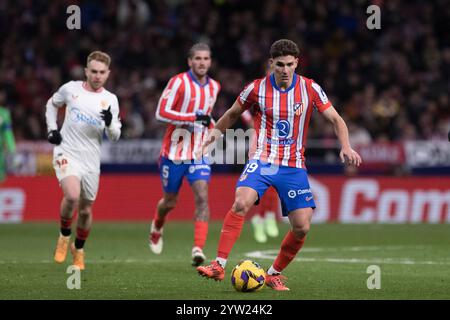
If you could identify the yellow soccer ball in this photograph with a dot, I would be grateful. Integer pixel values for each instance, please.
(248, 276)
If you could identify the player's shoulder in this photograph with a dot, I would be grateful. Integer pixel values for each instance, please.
(177, 80)
(255, 83)
(110, 95)
(310, 82)
(214, 82)
(72, 85)
(179, 76)
(307, 80)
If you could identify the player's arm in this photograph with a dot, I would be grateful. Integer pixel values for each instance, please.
(247, 118)
(112, 122)
(51, 114)
(324, 106)
(169, 98)
(347, 154)
(225, 122)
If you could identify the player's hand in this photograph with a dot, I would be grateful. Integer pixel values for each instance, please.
(204, 119)
(106, 116)
(54, 137)
(350, 157)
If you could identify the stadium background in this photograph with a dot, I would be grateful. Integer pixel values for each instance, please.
(390, 85)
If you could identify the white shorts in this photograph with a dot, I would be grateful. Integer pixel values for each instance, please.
(65, 166)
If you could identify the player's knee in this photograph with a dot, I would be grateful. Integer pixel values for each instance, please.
(84, 213)
(170, 203)
(300, 230)
(72, 199)
(241, 206)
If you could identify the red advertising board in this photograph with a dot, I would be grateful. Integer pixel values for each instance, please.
(338, 199)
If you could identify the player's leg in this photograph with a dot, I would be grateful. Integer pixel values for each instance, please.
(164, 206)
(257, 222)
(300, 221)
(297, 203)
(264, 221)
(231, 229)
(199, 175)
(88, 193)
(70, 186)
(269, 204)
(171, 175)
(200, 189)
(84, 225)
(251, 186)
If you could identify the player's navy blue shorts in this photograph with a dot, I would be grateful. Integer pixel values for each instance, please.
(172, 174)
(291, 183)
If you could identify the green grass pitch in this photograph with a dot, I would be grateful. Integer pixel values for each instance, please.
(414, 261)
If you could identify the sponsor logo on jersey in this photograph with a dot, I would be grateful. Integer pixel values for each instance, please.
(77, 116)
(282, 128)
(283, 142)
(293, 193)
(104, 104)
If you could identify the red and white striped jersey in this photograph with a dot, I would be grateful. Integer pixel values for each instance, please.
(281, 117)
(182, 98)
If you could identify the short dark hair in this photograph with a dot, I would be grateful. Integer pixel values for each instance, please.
(200, 46)
(284, 47)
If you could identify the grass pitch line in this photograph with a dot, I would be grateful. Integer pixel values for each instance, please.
(271, 255)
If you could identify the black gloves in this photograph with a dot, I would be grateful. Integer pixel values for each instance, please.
(107, 116)
(204, 119)
(54, 137)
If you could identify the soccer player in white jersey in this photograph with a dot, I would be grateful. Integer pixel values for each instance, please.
(90, 111)
(284, 102)
(185, 105)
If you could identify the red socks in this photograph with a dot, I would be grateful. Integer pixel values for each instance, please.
(289, 248)
(82, 234)
(65, 223)
(231, 230)
(200, 233)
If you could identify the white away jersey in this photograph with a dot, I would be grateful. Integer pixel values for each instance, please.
(83, 126)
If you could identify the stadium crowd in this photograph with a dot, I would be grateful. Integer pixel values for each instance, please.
(390, 84)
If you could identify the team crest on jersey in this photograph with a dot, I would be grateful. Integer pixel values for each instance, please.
(104, 104)
(298, 108)
(74, 97)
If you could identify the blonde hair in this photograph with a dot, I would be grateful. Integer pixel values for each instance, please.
(99, 56)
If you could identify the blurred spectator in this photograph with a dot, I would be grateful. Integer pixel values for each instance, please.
(391, 83)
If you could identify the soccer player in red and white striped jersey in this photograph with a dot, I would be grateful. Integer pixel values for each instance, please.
(284, 102)
(186, 105)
